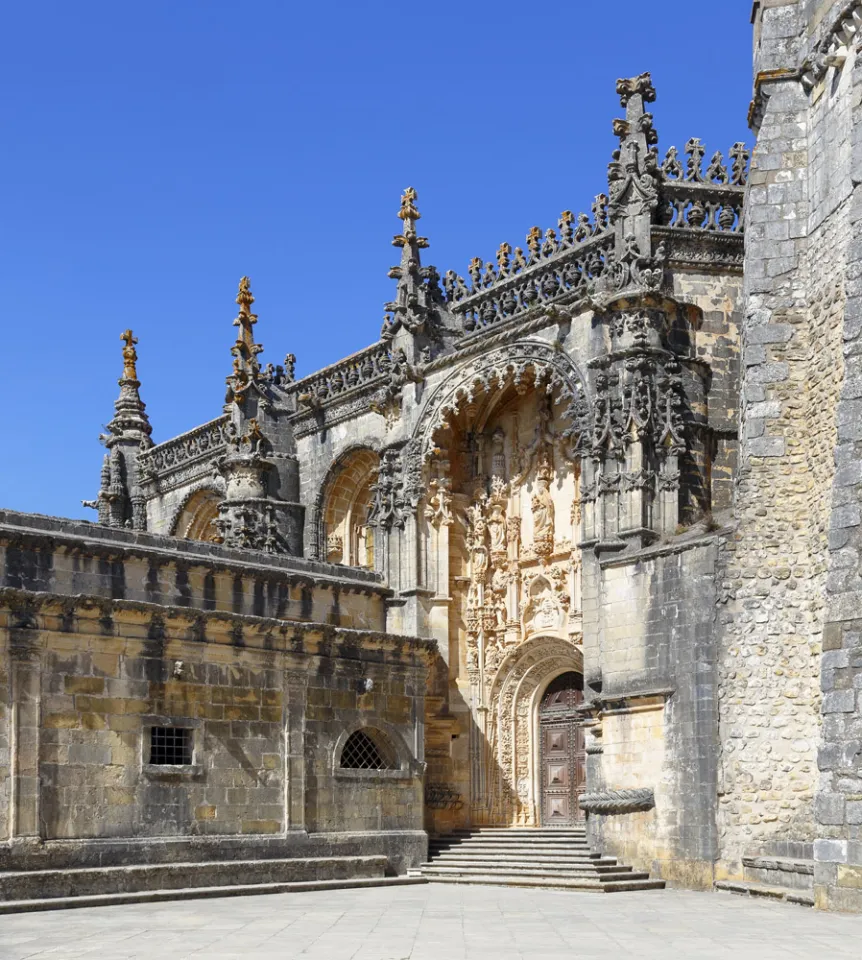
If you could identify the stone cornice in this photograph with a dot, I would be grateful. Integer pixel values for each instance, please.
(44, 532)
(281, 636)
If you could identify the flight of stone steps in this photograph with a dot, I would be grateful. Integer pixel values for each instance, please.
(528, 857)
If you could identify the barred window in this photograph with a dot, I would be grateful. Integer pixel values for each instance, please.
(171, 746)
(367, 751)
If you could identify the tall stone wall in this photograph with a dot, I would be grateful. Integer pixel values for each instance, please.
(838, 850)
(788, 570)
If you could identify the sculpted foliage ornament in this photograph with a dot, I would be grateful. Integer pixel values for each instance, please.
(438, 504)
(387, 401)
(397, 489)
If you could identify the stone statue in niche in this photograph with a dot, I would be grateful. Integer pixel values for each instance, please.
(543, 610)
(497, 527)
(498, 452)
(543, 510)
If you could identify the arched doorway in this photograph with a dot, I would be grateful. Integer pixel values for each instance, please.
(563, 758)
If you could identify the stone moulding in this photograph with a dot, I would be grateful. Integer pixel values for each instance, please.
(38, 532)
(493, 370)
(277, 636)
(612, 802)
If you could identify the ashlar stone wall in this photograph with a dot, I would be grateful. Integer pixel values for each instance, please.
(268, 702)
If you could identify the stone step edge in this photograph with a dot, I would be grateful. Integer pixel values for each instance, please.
(502, 838)
(595, 886)
(574, 870)
(499, 845)
(783, 864)
(513, 832)
(525, 841)
(195, 865)
(537, 864)
(437, 871)
(200, 893)
(752, 889)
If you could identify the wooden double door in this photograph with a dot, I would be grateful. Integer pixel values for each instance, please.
(563, 759)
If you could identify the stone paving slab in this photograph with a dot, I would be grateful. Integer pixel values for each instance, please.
(438, 922)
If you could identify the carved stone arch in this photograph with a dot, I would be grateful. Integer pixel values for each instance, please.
(195, 518)
(528, 360)
(338, 500)
(521, 678)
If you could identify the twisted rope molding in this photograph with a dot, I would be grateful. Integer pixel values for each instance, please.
(618, 801)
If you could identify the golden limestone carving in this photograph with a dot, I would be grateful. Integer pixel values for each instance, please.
(438, 506)
(543, 511)
(497, 503)
(130, 355)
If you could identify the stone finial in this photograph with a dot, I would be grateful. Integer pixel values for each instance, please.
(411, 307)
(408, 209)
(409, 214)
(633, 174)
(246, 369)
(130, 355)
(636, 86)
(120, 502)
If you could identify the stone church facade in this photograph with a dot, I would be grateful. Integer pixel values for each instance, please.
(614, 469)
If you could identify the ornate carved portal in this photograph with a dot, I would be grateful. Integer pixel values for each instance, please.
(502, 512)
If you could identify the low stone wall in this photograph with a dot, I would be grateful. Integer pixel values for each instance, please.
(265, 704)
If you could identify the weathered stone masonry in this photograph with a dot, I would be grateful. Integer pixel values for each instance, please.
(93, 656)
(621, 461)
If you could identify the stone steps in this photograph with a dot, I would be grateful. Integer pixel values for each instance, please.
(573, 845)
(556, 883)
(774, 878)
(500, 850)
(532, 832)
(752, 889)
(18, 886)
(199, 893)
(528, 858)
(518, 860)
(530, 870)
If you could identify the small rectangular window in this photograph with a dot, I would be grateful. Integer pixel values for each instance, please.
(171, 746)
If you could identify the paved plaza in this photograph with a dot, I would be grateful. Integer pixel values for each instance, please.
(438, 922)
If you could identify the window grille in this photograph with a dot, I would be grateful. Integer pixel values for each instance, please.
(171, 746)
(361, 752)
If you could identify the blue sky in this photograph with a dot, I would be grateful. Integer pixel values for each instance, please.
(156, 152)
